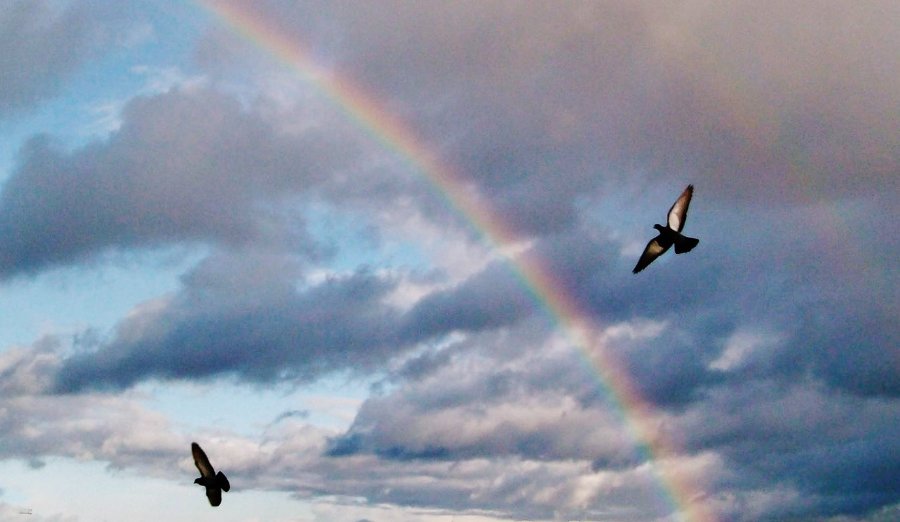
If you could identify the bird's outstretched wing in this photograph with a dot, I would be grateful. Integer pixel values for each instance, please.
(678, 212)
(214, 494)
(653, 250)
(202, 463)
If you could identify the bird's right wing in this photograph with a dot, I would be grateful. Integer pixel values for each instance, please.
(653, 250)
(202, 462)
(678, 212)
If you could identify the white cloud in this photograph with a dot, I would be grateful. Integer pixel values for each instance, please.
(742, 346)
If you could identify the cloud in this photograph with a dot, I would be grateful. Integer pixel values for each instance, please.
(789, 104)
(241, 313)
(208, 331)
(185, 167)
(503, 389)
(88, 427)
(489, 299)
(767, 354)
(44, 44)
(196, 166)
(817, 442)
(771, 449)
(502, 426)
(29, 370)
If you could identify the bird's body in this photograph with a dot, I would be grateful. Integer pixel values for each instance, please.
(215, 483)
(670, 233)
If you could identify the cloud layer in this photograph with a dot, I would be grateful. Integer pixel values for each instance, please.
(768, 355)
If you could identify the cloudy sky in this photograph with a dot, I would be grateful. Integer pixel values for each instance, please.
(376, 259)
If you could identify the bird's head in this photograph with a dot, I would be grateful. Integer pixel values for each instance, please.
(659, 227)
(198, 481)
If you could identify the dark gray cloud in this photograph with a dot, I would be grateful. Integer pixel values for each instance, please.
(803, 277)
(241, 313)
(833, 448)
(491, 298)
(555, 100)
(184, 167)
(277, 334)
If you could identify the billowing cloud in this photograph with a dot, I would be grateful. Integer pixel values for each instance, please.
(760, 103)
(184, 167)
(35, 426)
(834, 449)
(209, 331)
(766, 444)
(242, 313)
(767, 356)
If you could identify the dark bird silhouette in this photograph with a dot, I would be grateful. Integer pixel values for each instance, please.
(671, 233)
(215, 483)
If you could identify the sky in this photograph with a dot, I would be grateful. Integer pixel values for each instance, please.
(375, 258)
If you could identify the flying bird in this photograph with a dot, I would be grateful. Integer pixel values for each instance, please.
(215, 483)
(671, 233)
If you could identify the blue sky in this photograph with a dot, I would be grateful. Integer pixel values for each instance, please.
(198, 245)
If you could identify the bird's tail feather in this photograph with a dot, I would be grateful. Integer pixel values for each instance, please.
(223, 481)
(685, 244)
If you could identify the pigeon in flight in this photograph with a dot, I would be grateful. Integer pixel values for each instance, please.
(671, 233)
(215, 483)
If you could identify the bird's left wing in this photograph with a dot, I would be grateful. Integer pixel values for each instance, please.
(678, 212)
(653, 250)
(201, 461)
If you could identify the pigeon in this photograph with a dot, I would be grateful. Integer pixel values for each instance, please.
(671, 233)
(215, 483)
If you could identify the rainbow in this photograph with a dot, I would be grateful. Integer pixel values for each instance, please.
(366, 111)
